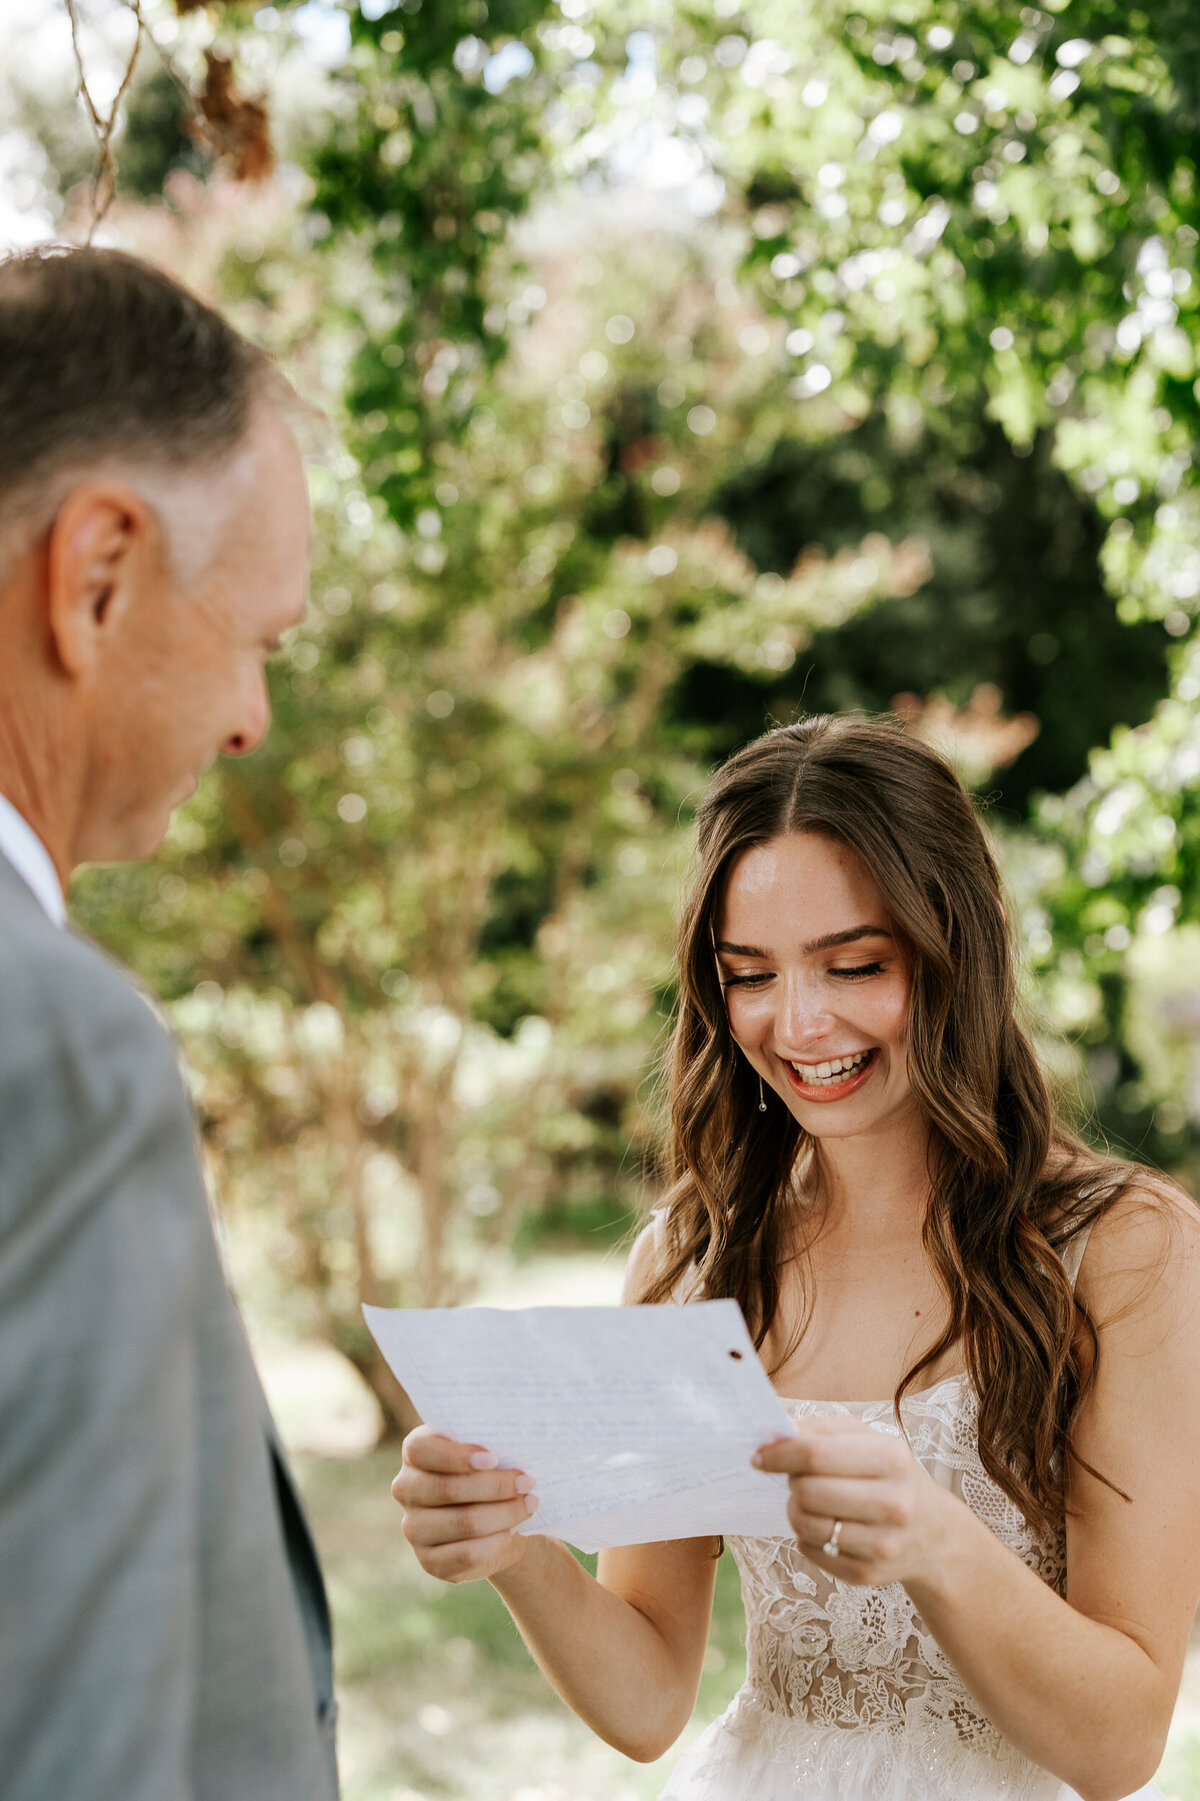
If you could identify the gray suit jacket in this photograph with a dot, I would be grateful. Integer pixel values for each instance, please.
(164, 1634)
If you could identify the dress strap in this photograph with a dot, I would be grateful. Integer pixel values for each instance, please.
(685, 1289)
(1072, 1252)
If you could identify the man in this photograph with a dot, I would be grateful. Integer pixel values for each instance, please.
(163, 1627)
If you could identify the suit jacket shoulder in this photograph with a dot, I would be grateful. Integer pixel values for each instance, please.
(157, 1639)
(82, 1057)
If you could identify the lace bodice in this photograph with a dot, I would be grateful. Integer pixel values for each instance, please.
(841, 1655)
(847, 1696)
(835, 1655)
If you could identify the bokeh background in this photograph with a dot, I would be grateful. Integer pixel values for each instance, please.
(683, 366)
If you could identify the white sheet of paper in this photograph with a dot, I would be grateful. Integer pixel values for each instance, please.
(637, 1423)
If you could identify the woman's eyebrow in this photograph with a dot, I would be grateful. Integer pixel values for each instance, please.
(851, 936)
(830, 942)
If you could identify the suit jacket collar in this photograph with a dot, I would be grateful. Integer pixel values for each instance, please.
(15, 891)
(23, 852)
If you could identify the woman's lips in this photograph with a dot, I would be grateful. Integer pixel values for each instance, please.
(829, 1091)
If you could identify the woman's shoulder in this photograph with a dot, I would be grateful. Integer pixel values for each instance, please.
(650, 1260)
(1141, 1258)
(645, 1257)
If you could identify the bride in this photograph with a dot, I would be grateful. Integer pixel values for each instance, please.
(996, 1555)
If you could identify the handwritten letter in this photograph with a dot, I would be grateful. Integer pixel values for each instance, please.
(637, 1423)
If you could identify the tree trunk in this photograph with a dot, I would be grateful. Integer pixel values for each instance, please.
(399, 1414)
(432, 1278)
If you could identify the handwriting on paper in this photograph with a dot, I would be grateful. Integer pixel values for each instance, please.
(637, 1423)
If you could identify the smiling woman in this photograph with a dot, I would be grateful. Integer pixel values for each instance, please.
(996, 1527)
(911, 1212)
(817, 844)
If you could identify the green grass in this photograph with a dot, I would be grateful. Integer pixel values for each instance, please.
(439, 1697)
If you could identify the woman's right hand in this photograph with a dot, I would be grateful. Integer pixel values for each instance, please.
(460, 1511)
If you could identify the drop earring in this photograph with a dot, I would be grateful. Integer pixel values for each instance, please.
(762, 1099)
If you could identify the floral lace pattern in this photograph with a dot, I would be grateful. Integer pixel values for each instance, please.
(847, 1695)
(841, 1655)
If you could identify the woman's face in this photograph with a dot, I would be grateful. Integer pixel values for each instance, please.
(816, 985)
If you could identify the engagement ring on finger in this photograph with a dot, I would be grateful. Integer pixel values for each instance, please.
(830, 1547)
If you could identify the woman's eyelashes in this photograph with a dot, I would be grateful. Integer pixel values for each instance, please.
(858, 973)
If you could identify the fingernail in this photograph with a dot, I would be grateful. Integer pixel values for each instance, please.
(531, 1503)
(483, 1460)
(526, 1485)
(757, 1460)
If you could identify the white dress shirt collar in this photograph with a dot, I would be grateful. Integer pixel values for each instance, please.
(31, 860)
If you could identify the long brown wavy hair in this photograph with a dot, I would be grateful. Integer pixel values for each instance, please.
(1010, 1186)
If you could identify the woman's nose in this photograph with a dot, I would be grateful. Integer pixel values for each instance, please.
(804, 1016)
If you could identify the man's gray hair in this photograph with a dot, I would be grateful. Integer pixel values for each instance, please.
(105, 360)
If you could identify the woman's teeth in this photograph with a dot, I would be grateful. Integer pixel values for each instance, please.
(839, 1069)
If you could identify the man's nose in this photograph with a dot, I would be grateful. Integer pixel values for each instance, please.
(255, 720)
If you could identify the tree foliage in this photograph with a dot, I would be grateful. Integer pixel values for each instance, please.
(691, 364)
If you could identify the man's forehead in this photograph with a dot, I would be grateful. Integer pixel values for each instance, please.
(265, 494)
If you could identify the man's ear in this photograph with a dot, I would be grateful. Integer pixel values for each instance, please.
(100, 544)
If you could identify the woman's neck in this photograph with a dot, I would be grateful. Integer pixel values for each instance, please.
(876, 1185)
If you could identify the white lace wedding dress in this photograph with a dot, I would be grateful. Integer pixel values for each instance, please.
(847, 1696)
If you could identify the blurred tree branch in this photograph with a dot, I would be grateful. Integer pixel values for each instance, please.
(104, 179)
(622, 484)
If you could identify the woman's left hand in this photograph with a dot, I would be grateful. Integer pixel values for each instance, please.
(893, 1515)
